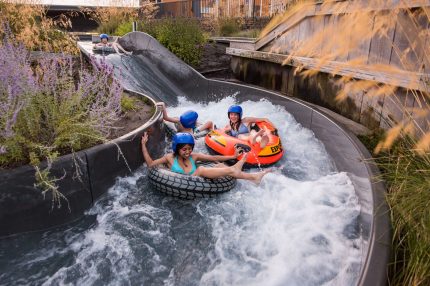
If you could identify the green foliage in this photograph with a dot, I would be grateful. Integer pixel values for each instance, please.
(109, 27)
(46, 182)
(229, 26)
(111, 18)
(149, 27)
(124, 28)
(407, 175)
(47, 124)
(253, 33)
(371, 140)
(181, 36)
(128, 103)
(49, 108)
(117, 20)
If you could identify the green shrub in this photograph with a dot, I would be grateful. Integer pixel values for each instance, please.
(181, 36)
(124, 28)
(229, 26)
(253, 33)
(47, 109)
(109, 27)
(149, 27)
(128, 103)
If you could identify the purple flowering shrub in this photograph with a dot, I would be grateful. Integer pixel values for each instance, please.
(49, 108)
(16, 80)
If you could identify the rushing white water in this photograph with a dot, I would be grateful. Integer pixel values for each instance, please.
(299, 227)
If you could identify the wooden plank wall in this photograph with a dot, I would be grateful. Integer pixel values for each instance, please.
(403, 44)
(389, 48)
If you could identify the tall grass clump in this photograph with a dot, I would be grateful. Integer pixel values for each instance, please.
(30, 25)
(118, 20)
(48, 109)
(110, 18)
(183, 37)
(407, 175)
(229, 26)
(123, 29)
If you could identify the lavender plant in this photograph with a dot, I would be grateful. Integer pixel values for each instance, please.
(49, 109)
(16, 81)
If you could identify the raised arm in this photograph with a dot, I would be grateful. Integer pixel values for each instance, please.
(165, 115)
(147, 157)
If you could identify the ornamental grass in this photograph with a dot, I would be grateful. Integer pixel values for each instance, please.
(27, 20)
(407, 176)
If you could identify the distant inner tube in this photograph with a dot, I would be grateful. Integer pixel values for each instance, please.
(103, 49)
(172, 129)
(187, 186)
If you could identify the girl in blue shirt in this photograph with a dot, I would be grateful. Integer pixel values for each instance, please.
(183, 161)
(239, 127)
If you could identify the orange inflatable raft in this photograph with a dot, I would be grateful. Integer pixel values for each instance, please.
(222, 143)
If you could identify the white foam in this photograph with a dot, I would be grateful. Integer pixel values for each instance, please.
(285, 232)
(291, 229)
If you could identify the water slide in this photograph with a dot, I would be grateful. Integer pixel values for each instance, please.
(320, 220)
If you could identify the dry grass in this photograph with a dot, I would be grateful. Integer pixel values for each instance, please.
(110, 18)
(30, 26)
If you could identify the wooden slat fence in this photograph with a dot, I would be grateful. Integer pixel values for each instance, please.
(222, 8)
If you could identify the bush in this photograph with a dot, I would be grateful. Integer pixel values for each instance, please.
(229, 26)
(128, 103)
(110, 18)
(118, 20)
(181, 36)
(52, 109)
(124, 28)
(253, 33)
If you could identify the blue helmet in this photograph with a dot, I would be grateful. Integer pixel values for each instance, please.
(182, 138)
(189, 119)
(235, 109)
(104, 36)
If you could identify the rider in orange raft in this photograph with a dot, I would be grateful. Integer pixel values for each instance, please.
(255, 135)
(240, 127)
